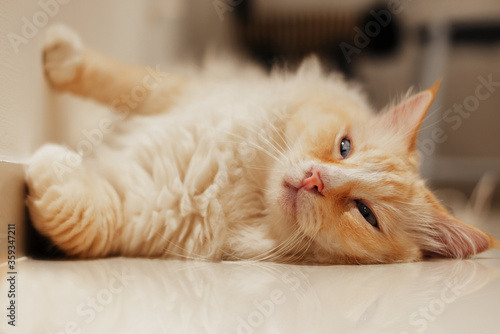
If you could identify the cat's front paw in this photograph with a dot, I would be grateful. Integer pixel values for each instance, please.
(63, 54)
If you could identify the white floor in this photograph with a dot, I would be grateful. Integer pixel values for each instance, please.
(165, 296)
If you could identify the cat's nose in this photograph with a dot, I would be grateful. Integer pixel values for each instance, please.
(313, 182)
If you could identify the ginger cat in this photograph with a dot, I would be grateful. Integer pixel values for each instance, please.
(286, 167)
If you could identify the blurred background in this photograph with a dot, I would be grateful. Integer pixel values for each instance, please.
(386, 46)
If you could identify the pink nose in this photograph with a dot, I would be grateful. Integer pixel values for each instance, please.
(313, 182)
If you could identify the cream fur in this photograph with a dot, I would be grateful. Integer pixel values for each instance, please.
(206, 179)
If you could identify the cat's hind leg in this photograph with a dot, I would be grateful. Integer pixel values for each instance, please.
(78, 210)
(72, 67)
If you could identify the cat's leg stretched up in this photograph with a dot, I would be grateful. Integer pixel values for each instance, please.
(70, 201)
(72, 67)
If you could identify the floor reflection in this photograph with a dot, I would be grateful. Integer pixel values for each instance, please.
(164, 296)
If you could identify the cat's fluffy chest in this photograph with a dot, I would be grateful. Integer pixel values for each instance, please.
(196, 185)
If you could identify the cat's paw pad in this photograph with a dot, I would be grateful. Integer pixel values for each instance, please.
(63, 54)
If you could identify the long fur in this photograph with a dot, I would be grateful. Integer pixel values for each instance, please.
(211, 166)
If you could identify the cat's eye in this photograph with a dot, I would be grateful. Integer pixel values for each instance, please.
(367, 213)
(345, 147)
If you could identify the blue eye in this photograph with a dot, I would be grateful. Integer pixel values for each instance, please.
(345, 147)
(367, 213)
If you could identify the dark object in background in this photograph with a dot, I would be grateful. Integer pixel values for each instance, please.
(389, 38)
(289, 37)
(468, 33)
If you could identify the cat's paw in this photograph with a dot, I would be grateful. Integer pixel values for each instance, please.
(50, 165)
(72, 207)
(63, 54)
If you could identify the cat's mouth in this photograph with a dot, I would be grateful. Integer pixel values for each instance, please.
(295, 189)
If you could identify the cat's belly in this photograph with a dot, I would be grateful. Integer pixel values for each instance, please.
(174, 182)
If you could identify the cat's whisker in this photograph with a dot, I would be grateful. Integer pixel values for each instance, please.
(261, 168)
(263, 189)
(302, 248)
(245, 139)
(234, 257)
(271, 253)
(195, 257)
(273, 146)
(284, 248)
(267, 138)
(306, 242)
(169, 251)
(311, 241)
(174, 255)
(278, 132)
(194, 264)
(255, 145)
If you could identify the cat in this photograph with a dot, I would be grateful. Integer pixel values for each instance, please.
(232, 163)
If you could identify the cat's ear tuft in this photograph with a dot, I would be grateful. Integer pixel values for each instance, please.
(448, 237)
(405, 118)
(310, 66)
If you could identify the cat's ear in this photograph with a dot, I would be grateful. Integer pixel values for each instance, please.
(405, 118)
(446, 236)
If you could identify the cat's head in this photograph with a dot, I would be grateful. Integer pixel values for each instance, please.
(349, 189)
